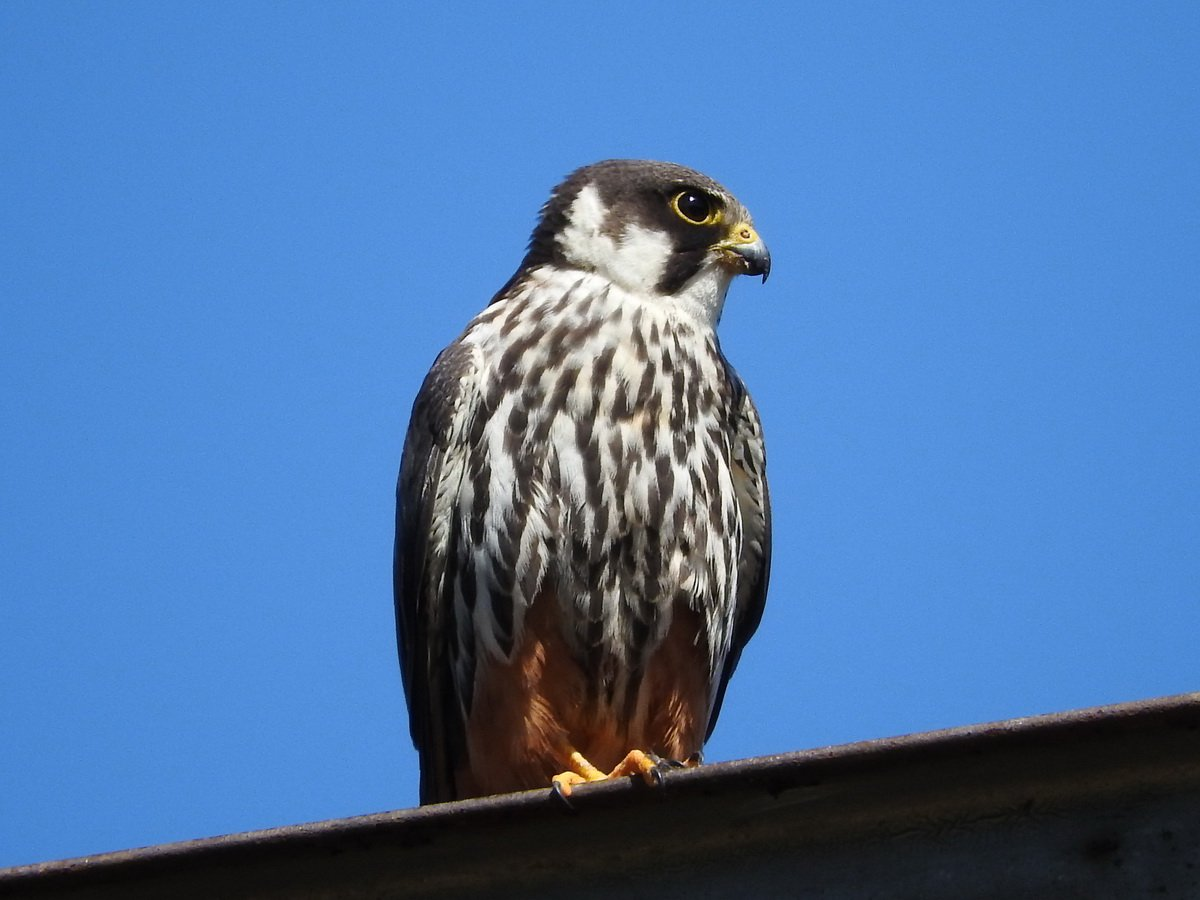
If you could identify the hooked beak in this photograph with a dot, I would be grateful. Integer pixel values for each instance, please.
(744, 252)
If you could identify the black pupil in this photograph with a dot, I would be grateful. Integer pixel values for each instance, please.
(694, 206)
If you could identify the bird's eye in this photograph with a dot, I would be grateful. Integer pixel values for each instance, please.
(696, 207)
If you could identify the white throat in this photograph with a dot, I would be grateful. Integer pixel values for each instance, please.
(636, 259)
(703, 297)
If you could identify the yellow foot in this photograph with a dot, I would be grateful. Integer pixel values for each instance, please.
(636, 762)
(581, 772)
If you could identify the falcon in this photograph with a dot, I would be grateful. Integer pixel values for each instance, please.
(582, 521)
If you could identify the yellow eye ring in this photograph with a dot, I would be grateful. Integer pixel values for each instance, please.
(696, 207)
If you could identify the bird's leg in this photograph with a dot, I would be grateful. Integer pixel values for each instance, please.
(580, 771)
(650, 766)
(654, 768)
(639, 762)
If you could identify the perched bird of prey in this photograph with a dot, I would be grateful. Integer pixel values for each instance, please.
(582, 526)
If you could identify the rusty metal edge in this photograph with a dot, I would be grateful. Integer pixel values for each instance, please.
(414, 825)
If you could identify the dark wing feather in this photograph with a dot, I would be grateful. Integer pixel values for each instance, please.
(749, 464)
(426, 538)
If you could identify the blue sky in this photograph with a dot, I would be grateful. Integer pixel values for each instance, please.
(235, 237)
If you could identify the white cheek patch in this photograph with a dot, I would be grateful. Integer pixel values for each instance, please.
(583, 241)
(641, 259)
(636, 261)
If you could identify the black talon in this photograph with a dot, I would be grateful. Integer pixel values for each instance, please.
(662, 766)
(557, 791)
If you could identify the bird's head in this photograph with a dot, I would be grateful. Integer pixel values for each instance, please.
(655, 229)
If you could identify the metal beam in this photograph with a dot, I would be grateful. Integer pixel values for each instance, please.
(1101, 802)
